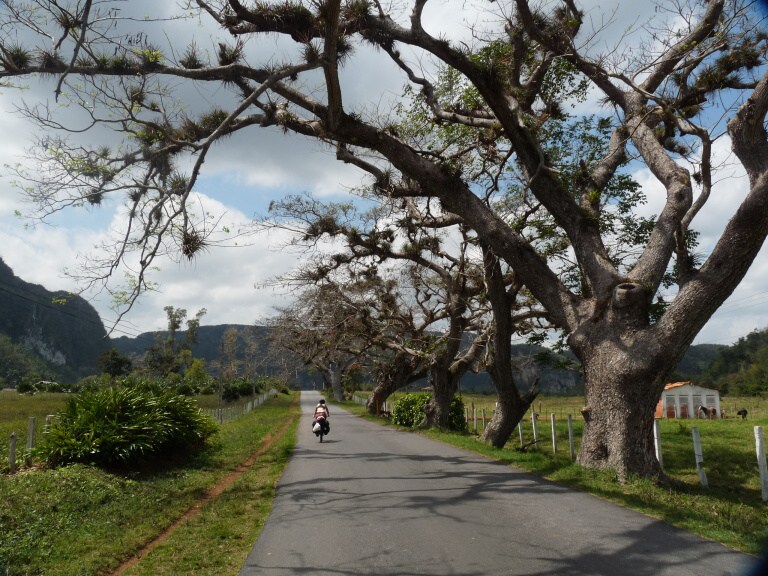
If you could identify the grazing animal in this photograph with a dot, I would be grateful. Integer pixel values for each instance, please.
(705, 412)
(742, 413)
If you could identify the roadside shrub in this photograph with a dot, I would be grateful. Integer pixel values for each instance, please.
(124, 427)
(456, 416)
(409, 411)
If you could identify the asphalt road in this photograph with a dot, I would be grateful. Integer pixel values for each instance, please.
(371, 500)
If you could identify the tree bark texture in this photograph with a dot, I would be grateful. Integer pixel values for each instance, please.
(626, 363)
(402, 371)
(511, 407)
(444, 386)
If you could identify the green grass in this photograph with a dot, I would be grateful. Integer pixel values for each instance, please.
(730, 511)
(217, 541)
(80, 520)
(15, 411)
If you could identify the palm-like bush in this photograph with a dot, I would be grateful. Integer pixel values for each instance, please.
(124, 427)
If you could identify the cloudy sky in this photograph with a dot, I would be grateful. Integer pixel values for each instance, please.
(244, 174)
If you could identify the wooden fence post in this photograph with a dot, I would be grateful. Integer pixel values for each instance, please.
(48, 420)
(554, 433)
(30, 441)
(760, 449)
(483, 419)
(535, 431)
(520, 432)
(657, 442)
(570, 436)
(697, 452)
(12, 453)
(474, 417)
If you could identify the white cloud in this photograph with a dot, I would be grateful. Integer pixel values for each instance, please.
(220, 279)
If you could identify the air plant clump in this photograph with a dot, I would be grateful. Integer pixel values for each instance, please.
(191, 59)
(67, 21)
(188, 130)
(311, 53)
(177, 184)
(150, 57)
(191, 243)
(211, 121)
(95, 197)
(121, 63)
(230, 54)
(344, 48)
(356, 11)
(102, 62)
(151, 134)
(51, 61)
(17, 57)
(136, 96)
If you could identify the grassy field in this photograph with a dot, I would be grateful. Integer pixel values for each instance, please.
(730, 510)
(79, 520)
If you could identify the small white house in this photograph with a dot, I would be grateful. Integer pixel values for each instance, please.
(682, 400)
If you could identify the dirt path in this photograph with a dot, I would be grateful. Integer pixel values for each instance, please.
(214, 492)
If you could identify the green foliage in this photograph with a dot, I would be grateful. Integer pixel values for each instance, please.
(741, 369)
(15, 363)
(125, 427)
(410, 409)
(243, 386)
(456, 415)
(150, 57)
(113, 363)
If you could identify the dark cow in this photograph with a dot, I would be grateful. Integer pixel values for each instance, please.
(705, 412)
(742, 413)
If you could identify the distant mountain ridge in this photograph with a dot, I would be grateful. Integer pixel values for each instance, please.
(66, 331)
(61, 328)
(532, 361)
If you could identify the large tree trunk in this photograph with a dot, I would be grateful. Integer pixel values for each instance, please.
(511, 406)
(618, 418)
(383, 390)
(625, 370)
(336, 373)
(444, 386)
(510, 409)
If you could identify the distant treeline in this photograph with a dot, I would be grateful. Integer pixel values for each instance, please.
(740, 369)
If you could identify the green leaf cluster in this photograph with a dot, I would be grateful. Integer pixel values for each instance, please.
(125, 427)
(409, 411)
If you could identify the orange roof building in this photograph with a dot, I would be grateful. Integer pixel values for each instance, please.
(684, 399)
